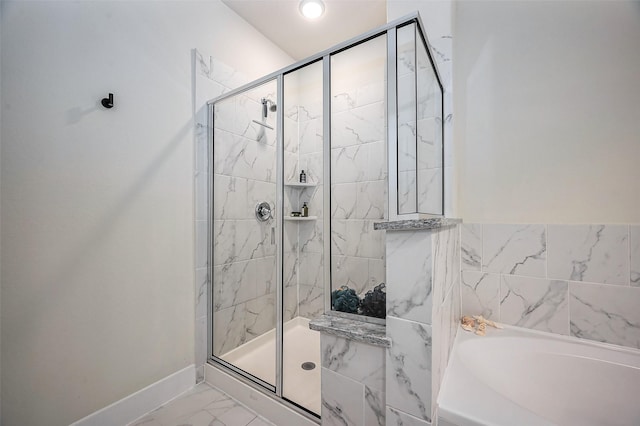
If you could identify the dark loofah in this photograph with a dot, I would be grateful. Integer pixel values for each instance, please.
(345, 299)
(374, 302)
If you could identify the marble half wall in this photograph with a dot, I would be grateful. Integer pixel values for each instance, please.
(578, 280)
(423, 306)
(353, 382)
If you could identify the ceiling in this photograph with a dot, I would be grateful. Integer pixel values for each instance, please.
(281, 22)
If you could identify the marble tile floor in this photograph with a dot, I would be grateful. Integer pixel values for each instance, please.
(203, 405)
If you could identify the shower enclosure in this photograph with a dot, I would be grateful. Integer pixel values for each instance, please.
(362, 123)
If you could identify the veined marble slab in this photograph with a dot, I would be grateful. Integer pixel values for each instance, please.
(414, 224)
(360, 331)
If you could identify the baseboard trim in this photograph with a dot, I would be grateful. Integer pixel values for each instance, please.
(139, 403)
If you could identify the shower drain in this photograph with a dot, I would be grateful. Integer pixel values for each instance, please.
(308, 365)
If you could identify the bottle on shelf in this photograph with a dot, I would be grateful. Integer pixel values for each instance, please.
(305, 210)
(303, 177)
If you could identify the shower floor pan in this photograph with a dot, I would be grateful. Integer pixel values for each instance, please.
(301, 345)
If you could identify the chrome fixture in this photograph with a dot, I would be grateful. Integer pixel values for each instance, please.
(262, 124)
(267, 105)
(263, 211)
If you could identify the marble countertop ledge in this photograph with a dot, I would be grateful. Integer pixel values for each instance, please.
(416, 224)
(360, 331)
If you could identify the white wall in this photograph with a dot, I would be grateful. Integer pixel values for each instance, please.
(97, 205)
(547, 118)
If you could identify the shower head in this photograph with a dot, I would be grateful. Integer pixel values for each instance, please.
(267, 105)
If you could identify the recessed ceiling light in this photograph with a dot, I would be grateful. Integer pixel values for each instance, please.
(311, 9)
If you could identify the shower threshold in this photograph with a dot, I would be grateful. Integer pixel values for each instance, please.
(301, 345)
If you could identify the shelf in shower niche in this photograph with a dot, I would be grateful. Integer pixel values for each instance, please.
(300, 185)
(300, 218)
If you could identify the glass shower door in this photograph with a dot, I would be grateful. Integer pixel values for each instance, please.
(244, 233)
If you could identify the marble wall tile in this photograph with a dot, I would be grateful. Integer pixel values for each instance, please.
(311, 301)
(310, 110)
(312, 164)
(430, 191)
(252, 240)
(338, 237)
(634, 247)
(348, 164)
(363, 240)
(290, 134)
(342, 100)
(377, 272)
(605, 313)
(264, 274)
(311, 136)
(429, 138)
(409, 269)
(358, 125)
(371, 199)
(407, 150)
(311, 270)
(351, 272)
(257, 192)
(407, 198)
(229, 197)
(481, 294)
(344, 200)
(471, 246)
(538, 304)
(376, 160)
(290, 303)
(202, 229)
(408, 367)
(310, 236)
(202, 288)
(374, 407)
(291, 266)
(202, 146)
(446, 261)
(594, 253)
(515, 249)
(370, 93)
(358, 361)
(406, 98)
(291, 169)
(398, 418)
(228, 329)
(342, 400)
(260, 315)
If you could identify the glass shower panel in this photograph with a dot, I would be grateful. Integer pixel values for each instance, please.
(428, 133)
(407, 106)
(244, 249)
(358, 169)
(303, 257)
(419, 95)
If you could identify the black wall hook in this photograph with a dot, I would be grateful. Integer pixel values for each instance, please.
(108, 102)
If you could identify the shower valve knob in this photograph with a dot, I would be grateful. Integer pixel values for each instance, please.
(263, 211)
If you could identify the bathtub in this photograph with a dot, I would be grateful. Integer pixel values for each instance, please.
(520, 377)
